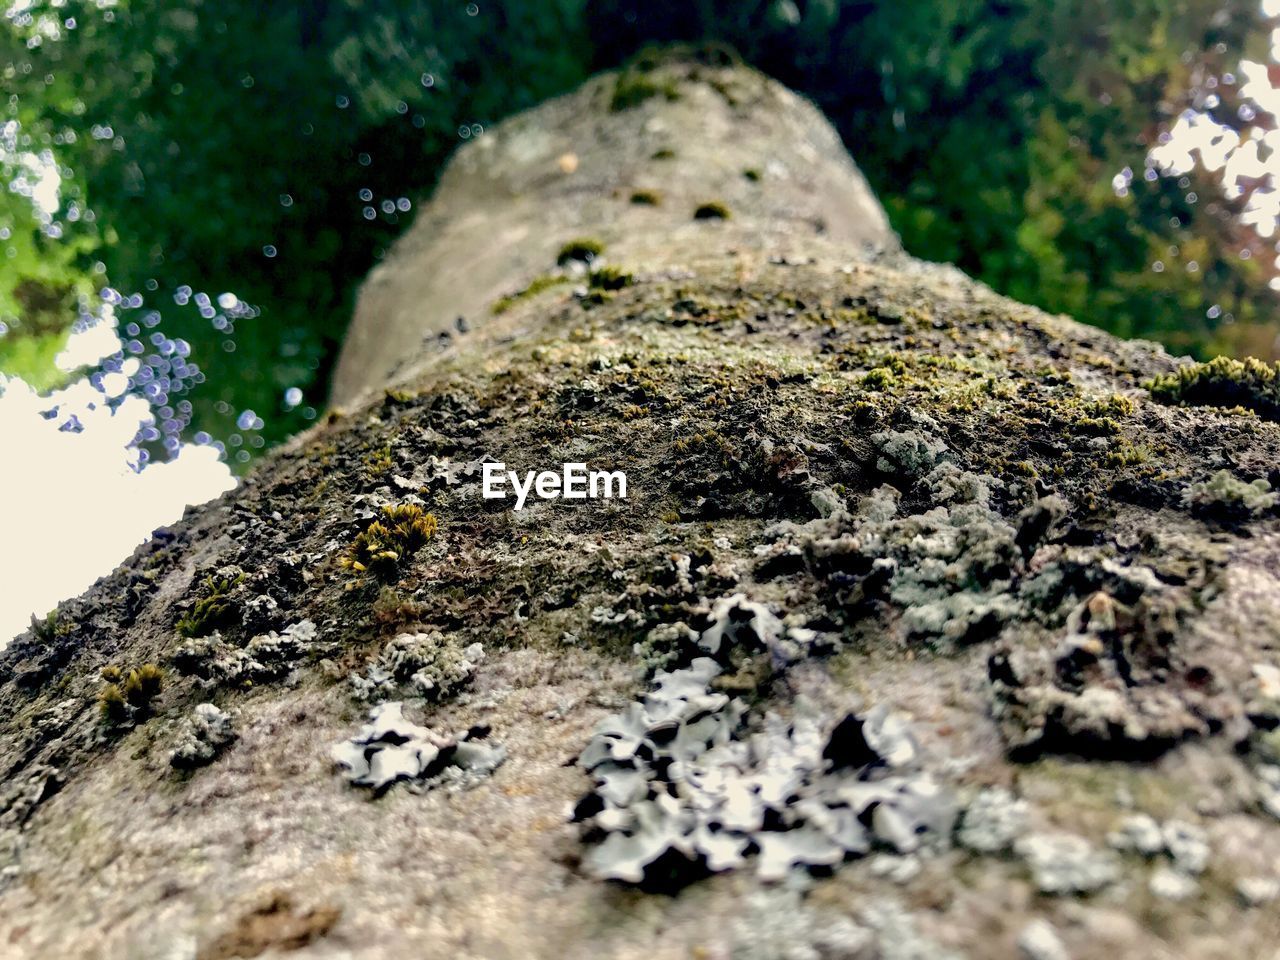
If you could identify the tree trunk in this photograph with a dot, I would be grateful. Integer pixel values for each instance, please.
(655, 726)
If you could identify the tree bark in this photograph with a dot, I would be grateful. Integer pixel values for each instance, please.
(855, 482)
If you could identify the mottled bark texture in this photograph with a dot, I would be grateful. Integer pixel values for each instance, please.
(856, 482)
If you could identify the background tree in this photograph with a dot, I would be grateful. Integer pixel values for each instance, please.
(274, 152)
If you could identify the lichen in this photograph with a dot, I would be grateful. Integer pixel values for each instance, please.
(1065, 864)
(909, 453)
(992, 822)
(682, 785)
(266, 657)
(391, 748)
(1225, 497)
(427, 664)
(205, 734)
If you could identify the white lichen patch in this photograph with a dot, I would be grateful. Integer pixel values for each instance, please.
(1063, 863)
(205, 734)
(269, 656)
(992, 822)
(391, 748)
(1227, 495)
(682, 784)
(425, 664)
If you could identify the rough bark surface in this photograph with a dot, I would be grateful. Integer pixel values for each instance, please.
(855, 482)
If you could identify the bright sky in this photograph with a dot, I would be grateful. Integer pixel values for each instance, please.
(72, 504)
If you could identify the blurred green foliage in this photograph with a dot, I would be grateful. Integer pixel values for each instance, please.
(271, 150)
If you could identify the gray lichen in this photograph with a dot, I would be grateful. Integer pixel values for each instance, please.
(427, 664)
(992, 822)
(776, 924)
(1225, 496)
(682, 785)
(908, 453)
(948, 569)
(1039, 941)
(269, 656)
(1063, 863)
(391, 748)
(205, 734)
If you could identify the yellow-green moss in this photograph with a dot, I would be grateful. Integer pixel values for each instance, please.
(142, 685)
(211, 611)
(378, 462)
(611, 278)
(111, 705)
(712, 210)
(880, 378)
(402, 531)
(581, 249)
(634, 86)
(1222, 382)
(535, 287)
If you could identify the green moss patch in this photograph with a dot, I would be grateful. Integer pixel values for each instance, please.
(1222, 382)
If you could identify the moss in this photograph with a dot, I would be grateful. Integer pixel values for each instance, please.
(378, 462)
(647, 198)
(634, 86)
(121, 702)
(142, 685)
(663, 153)
(712, 210)
(1127, 455)
(880, 378)
(1100, 426)
(1222, 382)
(213, 610)
(611, 278)
(581, 249)
(45, 630)
(595, 297)
(752, 174)
(111, 705)
(393, 612)
(1115, 405)
(404, 530)
(535, 287)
